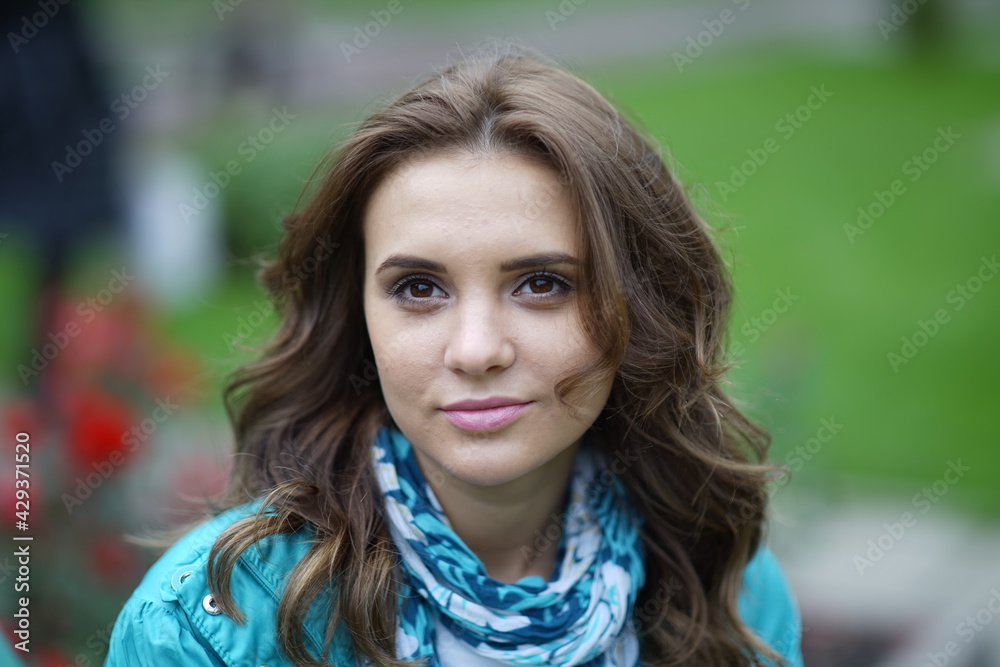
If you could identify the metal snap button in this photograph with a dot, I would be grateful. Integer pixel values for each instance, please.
(208, 604)
(180, 574)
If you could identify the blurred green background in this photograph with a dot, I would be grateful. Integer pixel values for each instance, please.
(785, 225)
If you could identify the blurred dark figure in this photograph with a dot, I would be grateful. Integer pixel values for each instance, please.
(56, 184)
(926, 27)
(929, 31)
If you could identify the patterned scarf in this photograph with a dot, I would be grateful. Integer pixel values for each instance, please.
(581, 617)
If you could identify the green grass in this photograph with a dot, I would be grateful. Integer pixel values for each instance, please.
(827, 355)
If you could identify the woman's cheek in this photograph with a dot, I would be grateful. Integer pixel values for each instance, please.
(406, 363)
(398, 345)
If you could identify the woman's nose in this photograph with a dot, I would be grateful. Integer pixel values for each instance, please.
(479, 338)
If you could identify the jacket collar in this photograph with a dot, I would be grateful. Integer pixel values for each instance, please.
(257, 584)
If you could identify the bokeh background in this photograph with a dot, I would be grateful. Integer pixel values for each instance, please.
(848, 153)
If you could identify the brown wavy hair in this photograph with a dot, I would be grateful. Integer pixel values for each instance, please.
(655, 296)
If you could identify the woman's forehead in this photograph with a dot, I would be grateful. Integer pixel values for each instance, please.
(505, 202)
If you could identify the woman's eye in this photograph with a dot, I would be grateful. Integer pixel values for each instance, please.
(420, 289)
(547, 286)
(540, 284)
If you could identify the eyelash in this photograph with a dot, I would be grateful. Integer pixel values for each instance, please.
(397, 289)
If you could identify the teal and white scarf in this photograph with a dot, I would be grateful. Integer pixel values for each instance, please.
(583, 616)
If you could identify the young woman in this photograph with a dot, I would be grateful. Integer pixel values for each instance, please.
(489, 430)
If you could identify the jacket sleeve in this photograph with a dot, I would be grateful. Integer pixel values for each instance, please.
(154, 634)
(768, 606)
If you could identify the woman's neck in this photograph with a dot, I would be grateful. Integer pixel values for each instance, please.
(515, 527)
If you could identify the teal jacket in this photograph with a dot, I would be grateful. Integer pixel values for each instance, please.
(171, 620)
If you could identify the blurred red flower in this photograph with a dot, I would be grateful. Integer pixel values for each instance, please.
(97, 422)
(113, 560)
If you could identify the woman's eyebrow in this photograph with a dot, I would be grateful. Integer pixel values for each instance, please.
(529, 262)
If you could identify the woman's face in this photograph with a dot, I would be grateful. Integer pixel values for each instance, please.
(448, 321)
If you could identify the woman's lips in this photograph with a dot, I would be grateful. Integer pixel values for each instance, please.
(489, 418)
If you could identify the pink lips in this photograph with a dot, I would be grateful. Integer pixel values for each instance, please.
(484, 419)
